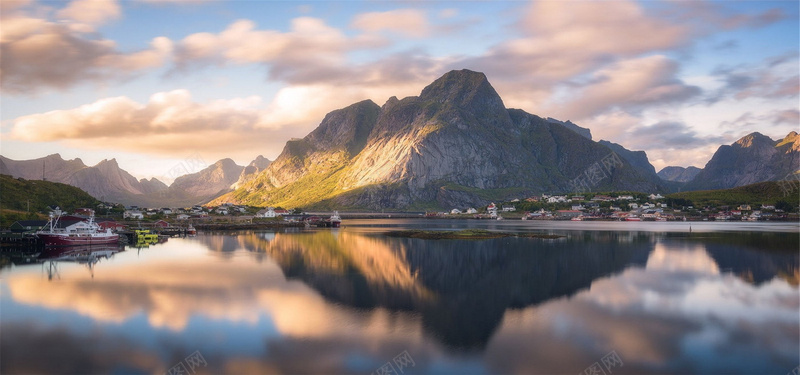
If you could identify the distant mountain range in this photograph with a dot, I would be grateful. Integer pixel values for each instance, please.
(108, 182)
(454, 145)
(753, 158)
(679, 174)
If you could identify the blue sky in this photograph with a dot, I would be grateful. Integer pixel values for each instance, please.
(153, 82)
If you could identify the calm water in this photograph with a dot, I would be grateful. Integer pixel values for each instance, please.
(627, 298)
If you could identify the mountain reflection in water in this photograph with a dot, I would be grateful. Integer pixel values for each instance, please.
(346, 301)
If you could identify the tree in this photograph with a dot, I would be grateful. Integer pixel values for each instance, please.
(783, 205)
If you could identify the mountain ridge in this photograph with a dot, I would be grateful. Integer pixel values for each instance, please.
(751, 159)
(108, 182)
(434, 149)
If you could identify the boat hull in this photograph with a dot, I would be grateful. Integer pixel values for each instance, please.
(59, 240)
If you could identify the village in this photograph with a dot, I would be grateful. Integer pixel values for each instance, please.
(622, 207)
(575, 207)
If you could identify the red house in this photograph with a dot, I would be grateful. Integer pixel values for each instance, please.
(110, 224)
(161, 224)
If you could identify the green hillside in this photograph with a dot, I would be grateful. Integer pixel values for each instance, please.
(16, 194)
(756, 194)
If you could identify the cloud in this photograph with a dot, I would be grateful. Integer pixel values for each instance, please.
(92, 12)
(171, 123)
(773, 78)
(672, 135)
(39, 54)
(408, 22)
(629, 85)
(788, 116)
(174, 125)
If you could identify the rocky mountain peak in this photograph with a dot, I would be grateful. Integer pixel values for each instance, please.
(463, 88)
(754, 139)
(347, 128)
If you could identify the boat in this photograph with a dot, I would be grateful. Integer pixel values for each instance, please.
(335, 220)
(577, 218)
(87, 232)
(633, 218)
(191, 231)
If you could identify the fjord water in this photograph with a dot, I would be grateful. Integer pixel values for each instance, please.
(721, 299)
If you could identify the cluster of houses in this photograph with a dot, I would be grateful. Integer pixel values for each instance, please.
(225, 209)
(579, 198)
(136, 213)
(271, 212)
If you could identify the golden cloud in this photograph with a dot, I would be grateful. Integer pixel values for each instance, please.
(409, 22)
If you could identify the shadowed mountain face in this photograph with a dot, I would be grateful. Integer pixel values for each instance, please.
(462, 289)
(678, 174)
(456, 144)
(753, 158)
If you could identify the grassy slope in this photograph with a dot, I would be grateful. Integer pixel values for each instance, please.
(760, 193)
(15, 194)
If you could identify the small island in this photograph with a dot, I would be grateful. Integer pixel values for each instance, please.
(466, 234)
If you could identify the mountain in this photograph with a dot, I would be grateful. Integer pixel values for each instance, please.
(454, 145)
(678, 174)
(571, 126)
(753, 158)
(152, 186)
(108, 182)
(52, 167)
(252, 170)
(637, 159)
(209, 182)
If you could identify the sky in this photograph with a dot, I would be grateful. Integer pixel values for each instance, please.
(168, 86)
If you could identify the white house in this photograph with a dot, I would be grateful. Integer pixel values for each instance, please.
(656, 196)
(267, 212)
(492, 209)
(625, 198)
(455, 211)
(472, 210)
(509, 208)
(182, 217)
(128, 214)
(578, 207)
(633, 206)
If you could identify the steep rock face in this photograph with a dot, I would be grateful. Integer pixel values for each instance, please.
(678, 174)
(637, 159)
(252, 170)
(753, 158)
(105, 181)
(571, 126)
(455, 144)
(152, 186)
(340, 136)
(210, 182)
(53, 167)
